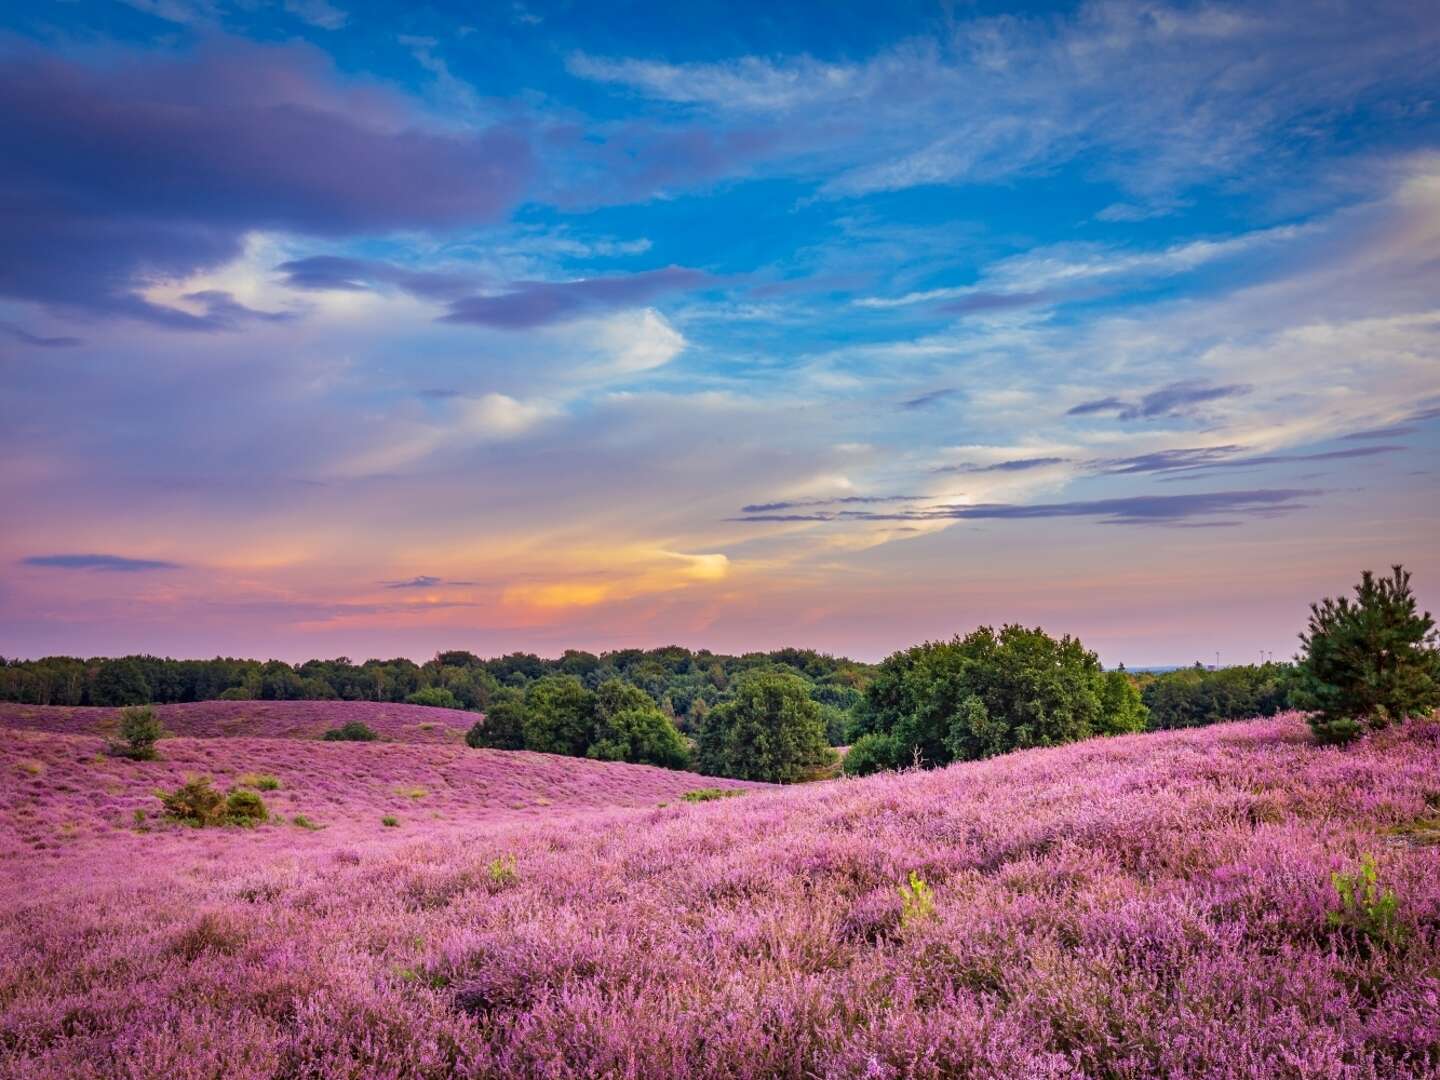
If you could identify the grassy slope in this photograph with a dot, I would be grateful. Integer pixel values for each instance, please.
(1145, 906)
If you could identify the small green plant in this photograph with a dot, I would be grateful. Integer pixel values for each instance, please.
(139, 732)
(1366, 910)
(412, 792)
(142, 820)
(709, 794)
(258, 781)
(354, 731)
(390, 821)
(305, 823)
(245, 808)
(502, 872)
(917, 902)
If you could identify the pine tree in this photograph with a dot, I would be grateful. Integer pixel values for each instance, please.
(1369, 661)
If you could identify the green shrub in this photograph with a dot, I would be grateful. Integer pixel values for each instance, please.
(872, 753)
(197, 804)
(140, 730)
(710, 794)
(194, 803)
(305, 823)
(390, 821)
(245, 808)
(354, 731)
(258, 781)
(436, 696)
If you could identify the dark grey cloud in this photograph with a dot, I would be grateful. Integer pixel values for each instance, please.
(107, 563)
(20, 334)
(1130, 510)
(1176, 399)
(527, 304)
(934, 397)
(115, 176)
(423, 581)
(1015, 465)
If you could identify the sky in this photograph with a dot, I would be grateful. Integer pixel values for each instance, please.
(337, 328)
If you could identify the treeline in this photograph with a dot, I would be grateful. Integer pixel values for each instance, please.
(1196, 696)
(682, 683)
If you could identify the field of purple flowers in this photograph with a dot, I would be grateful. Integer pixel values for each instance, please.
(261, 719)
(1144, 906)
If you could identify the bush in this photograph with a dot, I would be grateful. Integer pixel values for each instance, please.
(710, 794)
(140, 730)
(1369, 661)
(1367, 912)
(436, 696)
(390, 821)
(354, 731)
(245, 808)
(872, 753)
(194, 803)
(258, 781)
(236, 693)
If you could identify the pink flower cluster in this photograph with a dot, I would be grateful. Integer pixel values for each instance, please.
(1145, 906)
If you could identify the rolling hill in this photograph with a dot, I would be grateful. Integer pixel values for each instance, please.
(1152, 905)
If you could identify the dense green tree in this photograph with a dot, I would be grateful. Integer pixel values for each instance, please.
(503, 726)
(988, 693)
(768, 729)
(629, 727)
(559, 715)
(1368, 661)
(120, 682)
(436, 696)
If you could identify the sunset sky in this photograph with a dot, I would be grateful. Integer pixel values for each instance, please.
(372, 329)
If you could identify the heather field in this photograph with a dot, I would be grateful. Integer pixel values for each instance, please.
(1149, 905)
(262, 719)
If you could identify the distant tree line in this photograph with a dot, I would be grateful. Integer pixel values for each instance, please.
(775, 716)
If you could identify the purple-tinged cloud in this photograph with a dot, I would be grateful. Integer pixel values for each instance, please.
(1188, 457)
(1205, 459)
(1015, 465)
(105, 563)
(1177, 399)
(1380, 433)
(24, 337)
(333, 272)
(539, 303)
(115, 177)
(847, 500)
(1131, 510)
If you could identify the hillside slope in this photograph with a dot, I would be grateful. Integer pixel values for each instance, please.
(259, 719)
(1154, 905)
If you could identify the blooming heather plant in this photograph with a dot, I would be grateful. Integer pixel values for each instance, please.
(1138, 906)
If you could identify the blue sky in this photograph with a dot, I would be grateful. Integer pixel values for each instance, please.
(329, 327)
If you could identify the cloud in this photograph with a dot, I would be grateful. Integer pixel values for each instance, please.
(1176, 399)
(423, 581)
(528, 304)
(1130, 510)
(1156, 97)
(20, 334)
(104, 563)
(321, 273)
(934, 397)
(141, 171)
(319, 13)
(848, 500)
(1015, 465)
